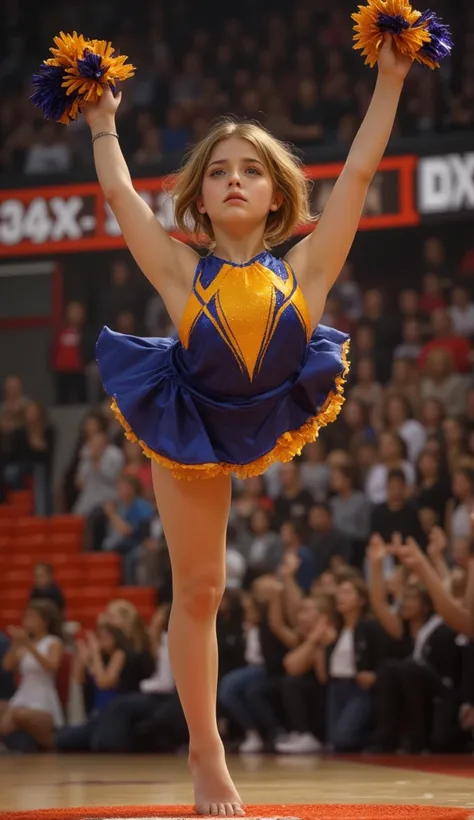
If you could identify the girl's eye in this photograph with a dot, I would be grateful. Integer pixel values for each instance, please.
(217, 172)
(253, 171)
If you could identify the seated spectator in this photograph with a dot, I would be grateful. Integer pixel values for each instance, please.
(347, 662)
(405, 381)
(45, 587)
(455, 443)
(349, 292)
(398, 416)
(67, 359)
(314, 472)
(445, 339)
(326, 542)
(462, 312)
(366, 388)
(250, 495)
(397, 514)
(139, 466)
(126, 518)
(303, 697)
(246, 693)
(100, 465)
(264, 549)
(293, 502)
(351, 509)
(99, 659)
(416, 699)
(432, 296)
(411, 344)
(463, 492)
(293, 537)
(433, 490)
(150, 719)
(36, 653)
(30, 456)
(392, 456)
(354, 428)
(440, 382)
(93, 422)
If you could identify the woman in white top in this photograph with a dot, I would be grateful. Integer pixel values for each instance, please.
(392, 456)
(347, 660)
(35, 653)
(398, 417)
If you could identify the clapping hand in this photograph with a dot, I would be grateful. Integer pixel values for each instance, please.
(18, 635)
(409, 554)
(290, 564)
(377, 549)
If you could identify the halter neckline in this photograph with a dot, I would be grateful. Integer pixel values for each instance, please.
(238, 264)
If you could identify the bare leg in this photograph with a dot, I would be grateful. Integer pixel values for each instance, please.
(194, 516)
(37, 724)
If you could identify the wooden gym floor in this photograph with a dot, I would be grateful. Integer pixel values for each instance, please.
(49, 781)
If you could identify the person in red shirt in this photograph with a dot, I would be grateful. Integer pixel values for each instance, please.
(67, 357)
(443, 337)
(432, 297)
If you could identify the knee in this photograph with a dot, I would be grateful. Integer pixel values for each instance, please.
(201, 595)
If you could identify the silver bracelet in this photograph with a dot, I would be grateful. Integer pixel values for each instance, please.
(104, 134)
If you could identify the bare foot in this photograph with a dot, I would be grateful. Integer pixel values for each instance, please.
(214, 791)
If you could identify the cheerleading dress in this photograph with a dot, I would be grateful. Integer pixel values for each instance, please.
(243, 384)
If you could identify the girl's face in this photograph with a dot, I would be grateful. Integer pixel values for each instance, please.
(389, 447)
(347, 598)
(259, 522)
(237, 192)
(106, 640)
(327, 583)
(33, 623)
(428, 465)
(396, 412)
(411, 604)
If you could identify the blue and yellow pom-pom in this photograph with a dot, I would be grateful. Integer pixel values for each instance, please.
(78, 71)
(421, 36)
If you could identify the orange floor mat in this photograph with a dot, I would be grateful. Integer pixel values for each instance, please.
(296, 812)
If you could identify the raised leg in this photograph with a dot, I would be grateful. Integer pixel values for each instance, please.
(194, 515)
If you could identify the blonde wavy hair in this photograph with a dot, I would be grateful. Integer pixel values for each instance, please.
(286, 172)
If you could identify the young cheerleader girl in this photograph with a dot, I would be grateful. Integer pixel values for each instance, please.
(251, 377)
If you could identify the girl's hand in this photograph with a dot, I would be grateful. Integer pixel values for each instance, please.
(18, 635)
(391, 63)
(103, 111)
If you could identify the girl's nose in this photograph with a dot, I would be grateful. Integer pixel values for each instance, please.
(234, 177)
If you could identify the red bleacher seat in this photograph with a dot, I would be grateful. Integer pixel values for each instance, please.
(66, 524)
(140, 596)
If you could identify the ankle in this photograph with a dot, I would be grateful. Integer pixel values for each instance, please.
(206, 750)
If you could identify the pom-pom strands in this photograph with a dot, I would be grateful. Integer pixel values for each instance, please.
(78, 71)
(422, 37)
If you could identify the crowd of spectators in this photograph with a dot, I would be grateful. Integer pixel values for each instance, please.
(328, 639)
(293, 70)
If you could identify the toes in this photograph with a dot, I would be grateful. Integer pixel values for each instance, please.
(204, 808)
(238, 810)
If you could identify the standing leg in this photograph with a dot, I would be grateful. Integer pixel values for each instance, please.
(194, 515)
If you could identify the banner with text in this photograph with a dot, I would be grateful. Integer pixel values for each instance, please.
(68, 218)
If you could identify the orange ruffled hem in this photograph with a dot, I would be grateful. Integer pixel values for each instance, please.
(288, 446)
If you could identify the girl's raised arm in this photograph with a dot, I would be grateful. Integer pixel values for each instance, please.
(168, 264)
(318, 259)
